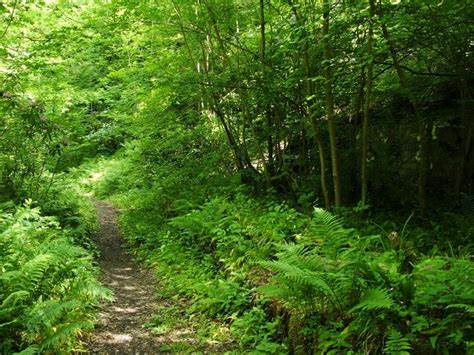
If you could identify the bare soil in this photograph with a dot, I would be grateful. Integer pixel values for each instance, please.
(137, 300)
(120, 329)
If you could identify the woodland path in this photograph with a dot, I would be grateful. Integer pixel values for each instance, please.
(120, 329)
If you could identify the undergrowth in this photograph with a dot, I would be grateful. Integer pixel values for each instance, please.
(48, 288)
(277, 280)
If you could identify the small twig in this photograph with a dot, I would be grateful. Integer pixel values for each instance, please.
(10, 20)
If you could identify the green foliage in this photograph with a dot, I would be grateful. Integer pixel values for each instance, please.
(397, 344)
(255, 331)
(374, 299)
(218, 112)
(332, 290)
(366, 292)
(48, 286)
(73, 210)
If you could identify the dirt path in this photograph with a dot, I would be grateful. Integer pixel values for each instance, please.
(120, 329)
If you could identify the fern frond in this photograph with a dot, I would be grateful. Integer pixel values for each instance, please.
(47, 313)
(301, 256)
(96, 291)
(277, 266)
(465, 307)
(12, 300)
(397, 344)
(64, 334)
(47, 285)
(292, 249)
(328, 230)
(374, 299)
(309, 278)
(33, 271)
(300, 277)
(63, 251)
(31, 350)
(325, 221)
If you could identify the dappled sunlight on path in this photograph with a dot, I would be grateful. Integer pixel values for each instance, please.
(128, 325)
(120, 329)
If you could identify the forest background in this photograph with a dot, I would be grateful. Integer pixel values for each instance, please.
(225, 131)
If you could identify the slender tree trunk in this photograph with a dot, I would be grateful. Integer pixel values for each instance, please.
(461, 173)
(241, 155)
(314, 126)
(367, 97)
(268, 110)
(329, 101)
(322, 165)
(262, 31)
(214, 25)
(230, 138)
(261, 155)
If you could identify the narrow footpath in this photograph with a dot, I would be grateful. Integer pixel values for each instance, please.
(120, 329)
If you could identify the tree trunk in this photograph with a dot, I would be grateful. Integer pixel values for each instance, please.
(368, 92)
(467, 139)
(262, 31)
(316, 136)
(268, 110)
(329, 101)
(322, 166)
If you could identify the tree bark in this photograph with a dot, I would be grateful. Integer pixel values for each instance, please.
(314, 126)
(322, 165)
(329, 101)
(268, 110)
(367, 97)
(467, 139)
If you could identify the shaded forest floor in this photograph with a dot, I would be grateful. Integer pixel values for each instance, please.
(122, 326)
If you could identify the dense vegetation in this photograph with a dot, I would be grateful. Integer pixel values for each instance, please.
(299, 172)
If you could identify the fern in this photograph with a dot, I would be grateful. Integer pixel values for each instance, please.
(65, 333)
(47, 286)
(325, 223)
(93, 290)
(31, 350)
(469, 308)
(47, 313)
(11, 303)
(374, 299)
(397, 344)
(328, 230)
(33, 271)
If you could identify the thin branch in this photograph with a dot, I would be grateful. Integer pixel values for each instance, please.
(417, 72)
(10, 20)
